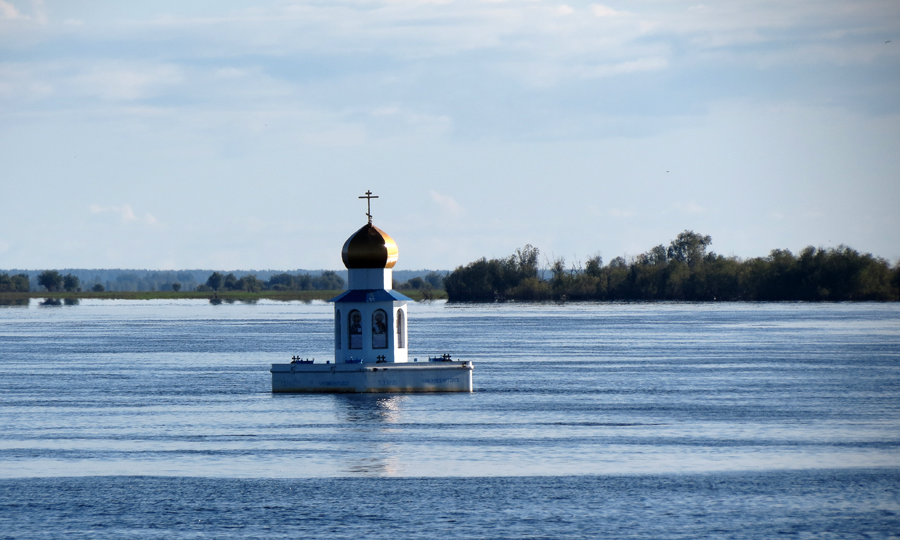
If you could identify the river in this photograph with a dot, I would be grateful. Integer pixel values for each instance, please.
(154, 419)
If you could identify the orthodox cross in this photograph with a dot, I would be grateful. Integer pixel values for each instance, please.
(368, 197)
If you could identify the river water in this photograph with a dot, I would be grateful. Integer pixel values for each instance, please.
(154, 419)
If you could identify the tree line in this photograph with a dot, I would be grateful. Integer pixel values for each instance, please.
(327, 281)
(683, 270)
(14, 283)
(48, 279)
(189, 280)
(431, 280)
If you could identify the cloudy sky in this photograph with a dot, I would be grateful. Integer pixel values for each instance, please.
(238, 135)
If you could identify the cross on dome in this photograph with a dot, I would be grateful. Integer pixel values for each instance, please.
(368, 197)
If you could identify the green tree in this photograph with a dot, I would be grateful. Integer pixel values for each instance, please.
(16, 283)
(71, 283)
(593, 266)
(435, 279)
(282, 282)
(658, 256)
(496, 279)
(250, 283)
(559, 281)
(97, 288)
(230, 283)
(50, 280)
(689, 247)
(678, 274)
(176, 287)
(328, 281)
(214, 281)
(473, 282)
(5, 283)
(20, 283)
(414, 283)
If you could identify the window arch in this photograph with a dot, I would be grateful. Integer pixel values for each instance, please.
(401, 330)
(337, 329)
(379, 329)
(355, 329)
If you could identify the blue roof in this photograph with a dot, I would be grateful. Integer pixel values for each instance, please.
(371, 295)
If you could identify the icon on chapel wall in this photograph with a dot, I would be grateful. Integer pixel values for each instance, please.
(379, 330)
(355, 330)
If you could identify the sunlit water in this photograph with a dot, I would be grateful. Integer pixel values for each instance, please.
(659, 420)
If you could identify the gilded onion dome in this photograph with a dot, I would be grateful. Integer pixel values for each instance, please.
(370, 247)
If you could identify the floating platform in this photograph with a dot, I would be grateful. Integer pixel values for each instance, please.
(444, 376)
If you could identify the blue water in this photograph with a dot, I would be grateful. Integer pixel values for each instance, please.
(153, 419)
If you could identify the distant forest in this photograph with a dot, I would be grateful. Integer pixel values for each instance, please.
(117, 280)
(683, 270)
(327, 281)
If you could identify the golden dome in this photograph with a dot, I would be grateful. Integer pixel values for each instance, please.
(370, 247)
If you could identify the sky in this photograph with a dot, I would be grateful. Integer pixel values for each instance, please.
(239, 135)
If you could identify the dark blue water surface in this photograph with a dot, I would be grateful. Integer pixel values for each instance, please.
(795, 504)
(153, 419)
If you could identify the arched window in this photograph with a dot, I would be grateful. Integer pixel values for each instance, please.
(355, 329)
(401, 330)
(337, 329)
(379, 329)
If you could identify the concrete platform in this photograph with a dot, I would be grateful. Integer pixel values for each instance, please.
(370, 377)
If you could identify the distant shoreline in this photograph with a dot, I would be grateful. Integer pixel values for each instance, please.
(309, 296)
(198, 295)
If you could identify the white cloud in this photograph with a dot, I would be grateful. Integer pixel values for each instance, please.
(107, 80)
(564, 10)
(127, 81)
(4, 247)
(600, 10)
(38, 12)
(447, 204)
(125, 213)
(8, 10)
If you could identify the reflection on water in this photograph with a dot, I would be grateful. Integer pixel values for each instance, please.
(218, 301)
(370, 408)
(14, 301)
(376, 465)
(53, 302)
(372, 414)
